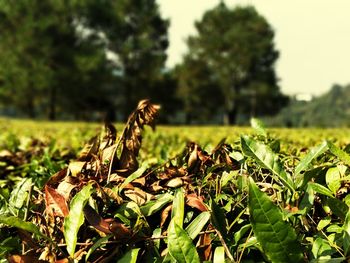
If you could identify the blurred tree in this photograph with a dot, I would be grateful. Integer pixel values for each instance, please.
(198, 90)
(237, 48)
(47, 64)
(74, 57)
(137, 38)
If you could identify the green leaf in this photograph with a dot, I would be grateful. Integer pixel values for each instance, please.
(14, 221)
(197, 224)
(217, 217)
(239, 234)
(346, 233)
(75, 218)
(339, 208)
(219, 255)
(154, 206)
(19, 195)
(180, 244)
(333, 179)
(266, 158)
(321, 247)
(178, 211)
(306, 161)
(258, 126)
(343, 156)
(323, 223)
(328, 260)
(277, 238)
(318, 188)
(139, 172)
(130, 256)
(96, 245)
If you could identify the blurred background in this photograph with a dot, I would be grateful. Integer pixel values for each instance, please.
(205, 62)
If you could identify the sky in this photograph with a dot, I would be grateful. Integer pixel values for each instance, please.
(312, 36)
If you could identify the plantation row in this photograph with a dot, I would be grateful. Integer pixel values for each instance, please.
(184, 196)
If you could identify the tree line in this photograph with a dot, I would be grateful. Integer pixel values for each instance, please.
(84, 58)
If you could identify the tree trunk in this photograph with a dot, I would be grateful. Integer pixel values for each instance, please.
(52, 104)
(230, 116)
(30, 107)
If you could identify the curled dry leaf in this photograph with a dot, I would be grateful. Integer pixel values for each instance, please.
(194, 201)
(55, 203)
(144, 114)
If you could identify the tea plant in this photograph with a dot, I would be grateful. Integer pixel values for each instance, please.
(252, 200)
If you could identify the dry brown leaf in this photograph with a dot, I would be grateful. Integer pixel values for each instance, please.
(139, 196)
(175, 182)
(24, 259)
(65, 187)
(165, 214)
(55, 203)
(91, 148)
(144, 114)
(113, 194)
(76, 167)
(194, 201)
(57, 177)
(204, 247)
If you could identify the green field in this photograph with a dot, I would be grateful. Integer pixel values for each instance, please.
(275, 195)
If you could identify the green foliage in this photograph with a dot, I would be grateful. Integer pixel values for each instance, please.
(67, 59)
(181, 247)
(200, 205)
(328, 110)
(277, 238)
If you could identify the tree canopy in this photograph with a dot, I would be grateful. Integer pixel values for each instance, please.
(235, 48)
(85, 58)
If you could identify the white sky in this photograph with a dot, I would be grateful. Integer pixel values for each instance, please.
(313, 37)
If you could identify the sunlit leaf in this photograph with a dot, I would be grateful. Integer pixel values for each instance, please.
(343, 156)
(197, 224)
(19, 223)
(178, 211)
(130, 256)
(75, 218)
(318, 188)
(306, 161)
(258, 126)
(154, 206)
(219, 255)
(180, 244)
(277, 238)
(267, 158)
(19, 195)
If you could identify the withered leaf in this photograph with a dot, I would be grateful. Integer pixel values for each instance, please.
(96, 220)
(165, 214)
(89, 149)
(144, 114)
(139, 196)
(76, 167)
(24, 259)
(194, 201)
(55, 203)
(204, 247)
(175, 182)
(113, 194)
(65, 187)
(57, 177)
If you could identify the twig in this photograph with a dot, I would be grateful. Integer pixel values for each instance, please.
(244, 246)
(227, 250)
